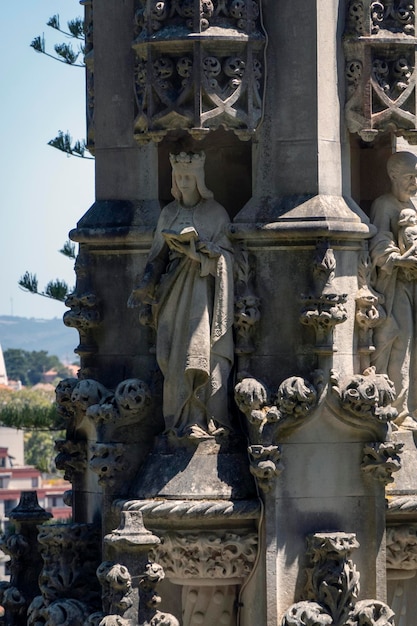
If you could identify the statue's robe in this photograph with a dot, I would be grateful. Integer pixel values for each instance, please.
(396, 338)
(193, 314)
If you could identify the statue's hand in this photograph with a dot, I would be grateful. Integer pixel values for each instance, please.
(209, 248)
(134, 299)
(409, 262)
(139, 296)
(188, 249)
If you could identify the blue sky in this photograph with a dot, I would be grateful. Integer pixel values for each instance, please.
(43, 193)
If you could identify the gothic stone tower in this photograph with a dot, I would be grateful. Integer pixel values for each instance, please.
(235, 433)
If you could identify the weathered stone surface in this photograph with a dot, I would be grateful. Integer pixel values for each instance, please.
(279, 423)
(396, 269)
(333, 586)
(209, 469)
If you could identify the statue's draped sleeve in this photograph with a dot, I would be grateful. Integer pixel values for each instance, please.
(384, 249)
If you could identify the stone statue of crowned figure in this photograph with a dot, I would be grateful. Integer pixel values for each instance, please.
(188, 281)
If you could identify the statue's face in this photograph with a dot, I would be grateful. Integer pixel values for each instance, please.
(405, 182)
(186, 183)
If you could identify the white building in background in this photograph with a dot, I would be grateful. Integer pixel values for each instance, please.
(3, 373)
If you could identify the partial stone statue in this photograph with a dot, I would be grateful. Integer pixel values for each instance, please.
(394, 256)
(188, 281)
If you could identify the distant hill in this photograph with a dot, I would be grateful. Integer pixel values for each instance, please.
(38, 334)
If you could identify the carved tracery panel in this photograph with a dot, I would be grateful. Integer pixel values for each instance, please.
(199, 65)
(380, 67)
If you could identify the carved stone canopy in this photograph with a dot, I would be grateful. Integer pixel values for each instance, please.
(380, 68)
(199, 66)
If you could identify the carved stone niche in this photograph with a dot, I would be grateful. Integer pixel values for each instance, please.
(379, 43)
(199, 65)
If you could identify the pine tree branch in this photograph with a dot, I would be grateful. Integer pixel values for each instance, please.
(38, 44)
(29, 282)
(65, 52)
(63, 142)
(55, 290)
(75, 27)
(68, 249)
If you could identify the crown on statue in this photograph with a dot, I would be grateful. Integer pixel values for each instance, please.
(190, 161)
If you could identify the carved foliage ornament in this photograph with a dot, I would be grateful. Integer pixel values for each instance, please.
(197, 14)
(332, 588)
(324, 308)
(62, 612)
(381, 460)
(208, 555)
(70, 555)
(108, 460)
(376, 16)
(396, 17)
(149, 614)
(84, 313)
(247, 304)
(67, 582)
(270, 417)
(402, 547)
(128, 404)
(25, 560)
(198, 83)
(116, 585)
(72, 457)
(364, 400)
(369, 310)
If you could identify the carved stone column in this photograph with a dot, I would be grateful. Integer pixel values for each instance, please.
(67, 582)
(26, 560)
(128, 578)
(401, 570)
(402, 535)
(209, 548)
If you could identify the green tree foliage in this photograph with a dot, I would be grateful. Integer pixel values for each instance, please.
(70, 53)
(29, 367)
(34, 410)
(64, 52)
(29, 409)
(40, 450)
(56, 289)
(63, 141)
